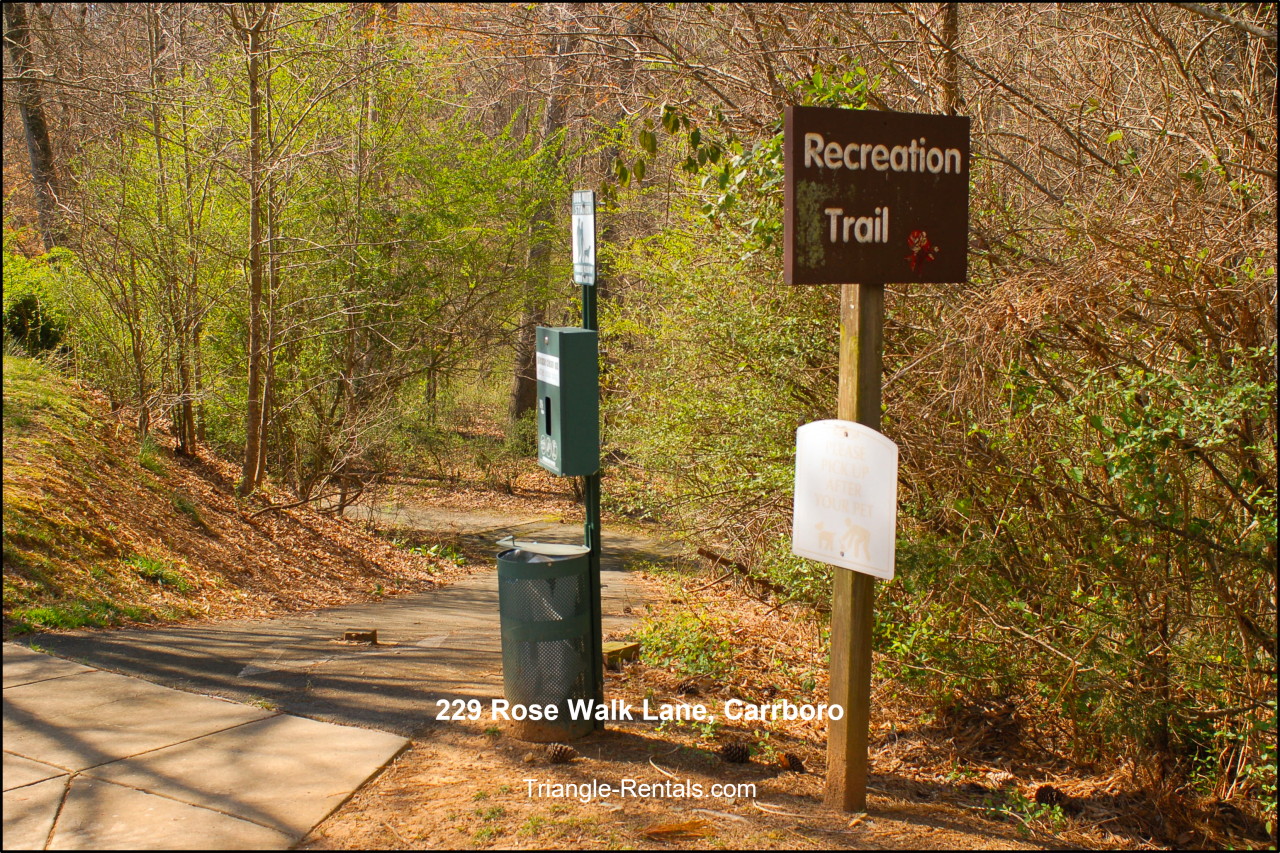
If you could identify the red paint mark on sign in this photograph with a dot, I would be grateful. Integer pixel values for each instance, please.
(921, 250)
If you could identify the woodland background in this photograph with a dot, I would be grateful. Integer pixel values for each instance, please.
(316, 239)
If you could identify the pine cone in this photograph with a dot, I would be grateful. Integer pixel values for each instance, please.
(791, 761)
(1048, 795)
(558, 753)
(735, 753)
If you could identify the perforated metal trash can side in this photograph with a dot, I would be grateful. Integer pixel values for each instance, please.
(545, 609)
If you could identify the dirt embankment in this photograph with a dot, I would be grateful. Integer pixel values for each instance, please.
(102, 529)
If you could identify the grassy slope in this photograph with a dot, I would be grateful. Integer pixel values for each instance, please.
(99, 530)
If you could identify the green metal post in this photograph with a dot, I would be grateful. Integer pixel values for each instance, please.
(591, 533)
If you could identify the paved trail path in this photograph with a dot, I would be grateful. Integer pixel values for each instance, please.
(431, 645)
(95, 759)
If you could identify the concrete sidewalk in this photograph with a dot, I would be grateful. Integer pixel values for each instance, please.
(95, 760)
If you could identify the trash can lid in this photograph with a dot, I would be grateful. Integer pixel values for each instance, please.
(547, 549)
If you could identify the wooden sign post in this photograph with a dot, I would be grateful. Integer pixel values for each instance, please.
(853, 593)
(871, 197)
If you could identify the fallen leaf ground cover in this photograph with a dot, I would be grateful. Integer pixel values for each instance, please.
(101, 529)
(971, 776)
(468, 785)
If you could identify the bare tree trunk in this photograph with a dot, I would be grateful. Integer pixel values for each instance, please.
(273, 324)
(175, 292)
(134, 313)
(190, 331)
(524, 384)
(350, 387)
(39, 148)
(188, 326)
(199, 378)
(268, 393)
(182, 416)
(273, 291)
(950, 63)
(253, 408)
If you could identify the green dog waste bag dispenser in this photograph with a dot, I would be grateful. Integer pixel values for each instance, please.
(568, 402)
(545, 606)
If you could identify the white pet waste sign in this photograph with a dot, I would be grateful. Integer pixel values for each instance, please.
(584, 237)
(846, 501)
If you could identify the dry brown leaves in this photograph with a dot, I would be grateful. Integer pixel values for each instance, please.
(103, 508)
(982, 758)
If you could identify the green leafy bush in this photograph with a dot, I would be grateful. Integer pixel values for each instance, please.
(522, 436)
(685, 642)
(34, 313)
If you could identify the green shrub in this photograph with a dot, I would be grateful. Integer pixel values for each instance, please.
(522, 435)
(158, 572)
(33, 315)
(804, 580)
(685, 641)
(29, 322)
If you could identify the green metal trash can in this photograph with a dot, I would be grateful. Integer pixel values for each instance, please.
(545, 608)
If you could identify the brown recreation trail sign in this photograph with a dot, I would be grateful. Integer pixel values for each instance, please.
(874, 197)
